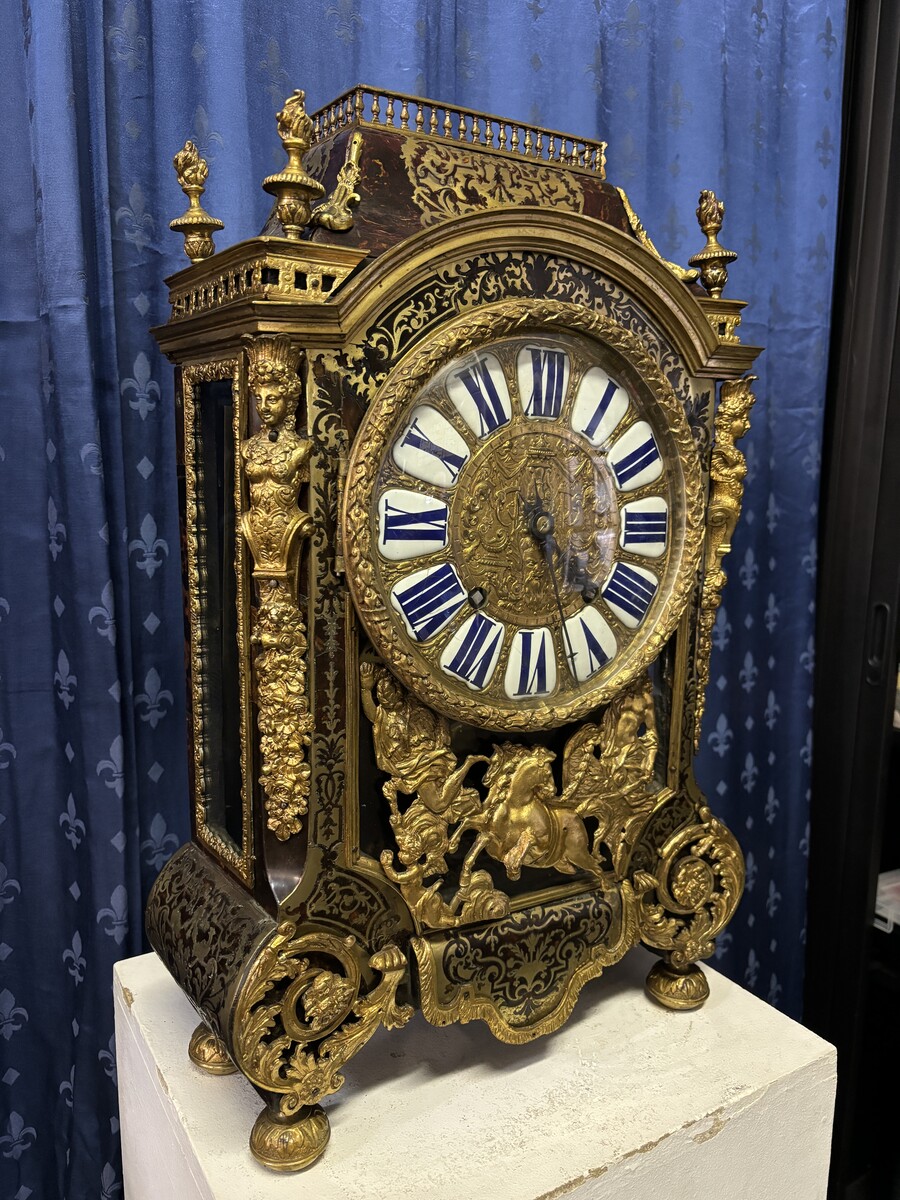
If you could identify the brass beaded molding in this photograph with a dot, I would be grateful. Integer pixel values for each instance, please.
(461, 336)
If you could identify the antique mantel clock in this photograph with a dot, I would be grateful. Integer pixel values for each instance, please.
(459, 474)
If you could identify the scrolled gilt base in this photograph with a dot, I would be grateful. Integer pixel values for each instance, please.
(207, 1051)
(678, 988)
(302, 1013)
(698, 880)
(291, 1142)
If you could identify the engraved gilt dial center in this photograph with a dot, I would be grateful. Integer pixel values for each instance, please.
(502, 540)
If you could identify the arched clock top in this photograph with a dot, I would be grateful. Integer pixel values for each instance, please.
(619, 257)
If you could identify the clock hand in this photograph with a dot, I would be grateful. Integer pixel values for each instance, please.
(541, 526)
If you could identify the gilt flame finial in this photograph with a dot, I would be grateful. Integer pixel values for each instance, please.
(713, 259)
(294, 189)
(195, 224)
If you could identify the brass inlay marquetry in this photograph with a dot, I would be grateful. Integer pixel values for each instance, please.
(522, 975)
(448, 180)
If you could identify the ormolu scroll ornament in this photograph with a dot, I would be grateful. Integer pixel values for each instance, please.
(335, 211)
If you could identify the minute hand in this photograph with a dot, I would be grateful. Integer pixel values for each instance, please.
(541, 525)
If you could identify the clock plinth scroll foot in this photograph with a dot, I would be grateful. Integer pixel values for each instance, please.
(207, 1051)
(289, 1142)
(680, 988)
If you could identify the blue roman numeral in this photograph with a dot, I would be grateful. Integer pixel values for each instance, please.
(597, 656)
(533, 667)
(473, 659)
(600, 411)
(415, 436)
(427, 526)
(431, 601)
(548, 372)
(646, 528)
(632, 464)
(480, 386)
(630, 591)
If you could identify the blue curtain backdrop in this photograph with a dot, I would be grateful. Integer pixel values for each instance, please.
(740, 95)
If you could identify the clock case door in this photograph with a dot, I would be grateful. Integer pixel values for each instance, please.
(234, 928)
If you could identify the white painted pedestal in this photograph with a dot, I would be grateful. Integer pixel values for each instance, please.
(628, 1101)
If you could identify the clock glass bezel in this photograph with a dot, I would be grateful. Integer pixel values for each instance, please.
(487, 603)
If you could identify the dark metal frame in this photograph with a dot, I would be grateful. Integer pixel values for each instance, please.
(859, 590)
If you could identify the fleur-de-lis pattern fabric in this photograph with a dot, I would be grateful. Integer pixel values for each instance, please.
(743, 97)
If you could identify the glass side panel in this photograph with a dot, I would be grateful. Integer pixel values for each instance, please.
(220, 682)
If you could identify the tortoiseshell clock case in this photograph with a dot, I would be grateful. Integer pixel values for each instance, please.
(459, 475)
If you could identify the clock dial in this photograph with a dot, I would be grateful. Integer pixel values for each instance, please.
(526, 521)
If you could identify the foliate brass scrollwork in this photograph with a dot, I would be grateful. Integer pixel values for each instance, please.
(724, 325)
(699, 879)
(293, 188)
(195, 224)
(727, 471)
(449, 181)
(334, 213)
(522, 974)
(607, 774)
(276, 465)
(301, 1013)
(713, 259)
(637, 228)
